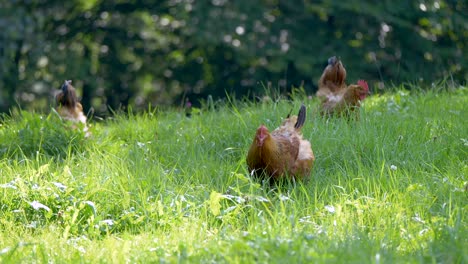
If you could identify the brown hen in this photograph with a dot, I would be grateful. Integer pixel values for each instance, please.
(283, 152)
(336, 96)
(333, 78)
(347, 100)
(68, 106)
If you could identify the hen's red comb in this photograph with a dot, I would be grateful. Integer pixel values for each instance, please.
(363, 84)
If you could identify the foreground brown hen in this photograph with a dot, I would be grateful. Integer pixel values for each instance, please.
(336, 96)
(68, 106)
(283, 152)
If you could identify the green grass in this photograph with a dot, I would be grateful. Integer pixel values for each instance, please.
(161, 187)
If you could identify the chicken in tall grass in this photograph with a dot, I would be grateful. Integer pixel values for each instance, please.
(337, 97)
(68, 106)
(333, 79)
(347, 100)
(283, 153)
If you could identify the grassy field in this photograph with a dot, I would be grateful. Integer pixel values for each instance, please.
(161, 187)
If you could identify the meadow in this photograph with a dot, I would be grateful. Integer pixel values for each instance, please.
(163, 187)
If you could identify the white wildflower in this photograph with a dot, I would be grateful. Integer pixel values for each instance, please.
(330, 208)
(37, 205)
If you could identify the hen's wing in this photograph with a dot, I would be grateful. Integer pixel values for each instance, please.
(305, 157)
(333, 103)
(293, 148)
(288, 150)
(343, 102)
(304, 161)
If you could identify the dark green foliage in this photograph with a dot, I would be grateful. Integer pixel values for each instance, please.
(137, 53)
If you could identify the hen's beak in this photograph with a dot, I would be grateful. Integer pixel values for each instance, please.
(65, 85)
(262, 134)
(332, 60)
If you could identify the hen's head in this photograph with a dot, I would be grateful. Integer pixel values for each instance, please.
(333, 60)
(363, 91)
(65, 85)
(67, 95)
(335, 71)
(261, 135)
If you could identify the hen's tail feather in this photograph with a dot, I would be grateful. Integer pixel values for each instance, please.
(301, 117)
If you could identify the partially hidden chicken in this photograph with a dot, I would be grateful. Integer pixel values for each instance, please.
(68, 106)
(347, 100)
(333, 79)
(335, 95)
(283, 153)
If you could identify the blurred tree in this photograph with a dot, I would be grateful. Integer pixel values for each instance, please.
(159, 52)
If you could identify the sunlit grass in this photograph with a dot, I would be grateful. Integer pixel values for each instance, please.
(159, 186)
